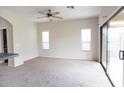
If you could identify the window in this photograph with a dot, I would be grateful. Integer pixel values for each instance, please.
(85, 39)
(45, 40)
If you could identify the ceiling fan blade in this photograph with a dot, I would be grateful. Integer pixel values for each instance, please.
(55, 13)
(41, 17)
(57, 17)
(40, 12)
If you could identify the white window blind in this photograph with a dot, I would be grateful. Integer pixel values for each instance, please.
(86, 39)
(45, 40)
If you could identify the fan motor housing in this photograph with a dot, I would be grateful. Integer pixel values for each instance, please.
(49, 15)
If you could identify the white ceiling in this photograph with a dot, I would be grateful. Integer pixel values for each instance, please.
(67, 13)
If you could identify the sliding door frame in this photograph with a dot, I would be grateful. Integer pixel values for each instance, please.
(101, 46)
(101, 43)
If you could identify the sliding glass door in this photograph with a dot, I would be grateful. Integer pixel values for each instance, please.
(115, 45)
(113, 48)
(104, 46)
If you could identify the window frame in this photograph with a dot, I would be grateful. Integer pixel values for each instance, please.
(43, 43)
(84, 42)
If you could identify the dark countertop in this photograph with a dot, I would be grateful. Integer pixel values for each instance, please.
(4, 56)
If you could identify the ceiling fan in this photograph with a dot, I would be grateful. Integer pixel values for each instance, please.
(50, 15)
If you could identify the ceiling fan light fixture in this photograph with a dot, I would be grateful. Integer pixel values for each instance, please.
(51, 15)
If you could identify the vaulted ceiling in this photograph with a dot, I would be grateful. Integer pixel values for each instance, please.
(67, 13)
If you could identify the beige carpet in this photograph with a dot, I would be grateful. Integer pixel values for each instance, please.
(51, 72)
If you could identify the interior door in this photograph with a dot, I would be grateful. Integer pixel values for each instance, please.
(1, 40)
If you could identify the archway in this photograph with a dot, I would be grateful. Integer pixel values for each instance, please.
(6, 28)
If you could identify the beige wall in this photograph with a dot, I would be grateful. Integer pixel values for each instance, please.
(65, 39)
(24, 35)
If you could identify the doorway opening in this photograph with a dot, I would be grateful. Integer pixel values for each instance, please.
(6, 38)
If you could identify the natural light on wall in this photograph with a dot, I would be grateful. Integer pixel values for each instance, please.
(45, 40)
(85, 39)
